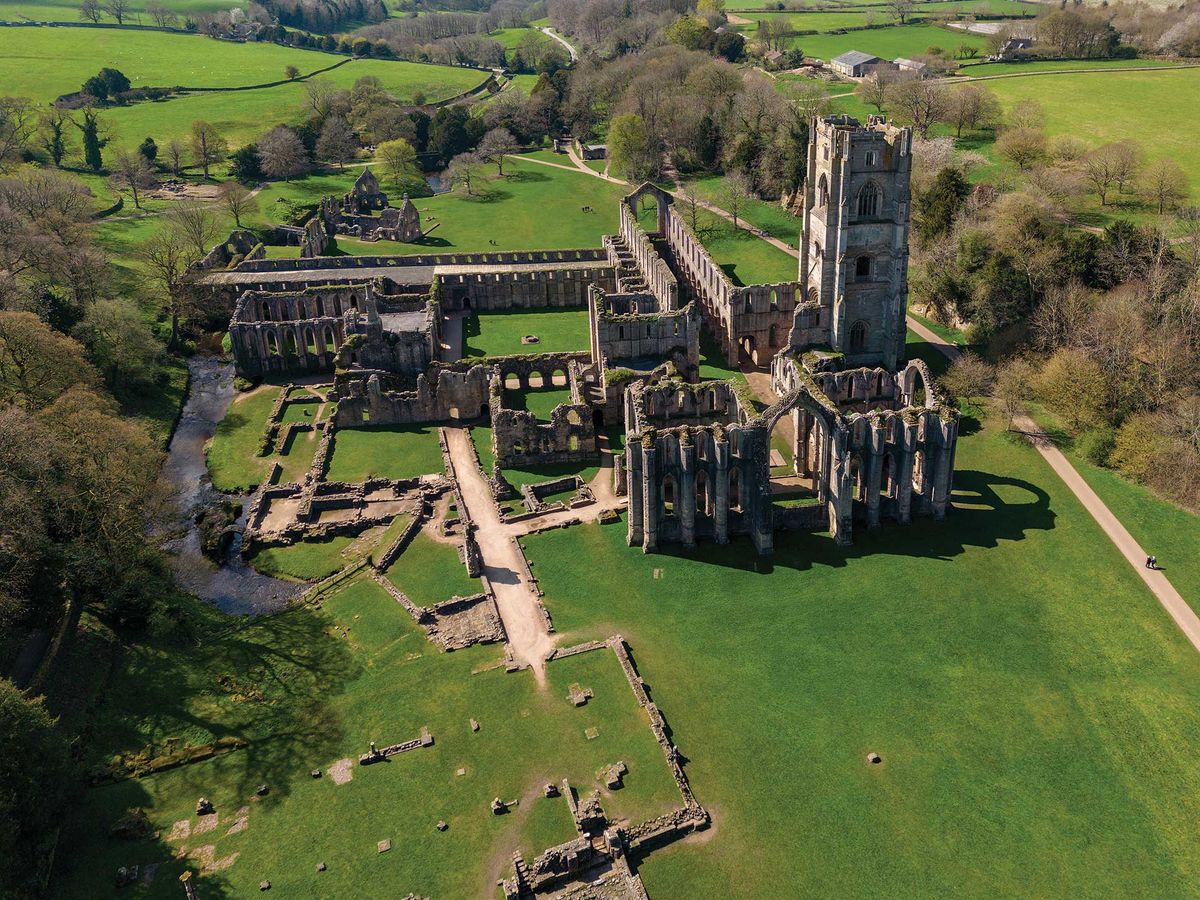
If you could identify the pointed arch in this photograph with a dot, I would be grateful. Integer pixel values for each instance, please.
(870, 200)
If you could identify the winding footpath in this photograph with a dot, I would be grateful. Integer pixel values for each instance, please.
(1176, 607)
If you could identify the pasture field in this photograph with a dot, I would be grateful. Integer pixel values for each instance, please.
(68, 11)
(887, 43)
(311, 686)
(978, 656)
(1039, 66)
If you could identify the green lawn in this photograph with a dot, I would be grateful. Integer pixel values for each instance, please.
(384, 451)
(1113, 106)
(305, 561)
(297, 455)
(233, 462)
(769, 216)
(518, 477)
(308, 687)
(745, 258)
(68, 11)
(430, 571)
(888, 43)
(1032, 67)
(539, 401)
(1034, 707)
(499, 333)
(481, 435)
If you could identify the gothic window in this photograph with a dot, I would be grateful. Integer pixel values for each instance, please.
(872, 157)
(822, 192)
(862, 268)
(869, 200)
(266, 311)
(858, 337)
(772, 337)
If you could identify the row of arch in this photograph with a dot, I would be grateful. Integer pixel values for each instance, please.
(303, 308)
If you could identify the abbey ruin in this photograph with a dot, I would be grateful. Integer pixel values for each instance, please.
(852, 434)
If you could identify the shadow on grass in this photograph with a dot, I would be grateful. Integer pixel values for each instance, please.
(981, 518)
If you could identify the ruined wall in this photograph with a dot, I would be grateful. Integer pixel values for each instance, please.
(627, 328)
(518, 437)
(441, 394)
(276, 333)
(550, 288)
(641, 265)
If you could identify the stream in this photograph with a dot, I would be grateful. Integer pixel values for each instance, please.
(233, 586)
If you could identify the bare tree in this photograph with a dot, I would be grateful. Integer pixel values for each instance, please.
(208, 147)
(691, 206)
(1102, 168)
(919, 103)
(496, 144)
(174, 153)
(336, 142)
(281, 153)
(91, 11)
(1014, 386)
(901, 9)
(1128, 158)
(18, 122)
(1165, 183)
(873, 90)
(163, 16)
(1022, 146)
(118, 9)
(132, 172)
(236, 200)
(195, 224)
(970, 106)
(735, 192)
(969, 377)
(165, 256)
(463, 169)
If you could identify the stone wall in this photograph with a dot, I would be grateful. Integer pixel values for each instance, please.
(443, 393)
(545, 289)
(518, 437)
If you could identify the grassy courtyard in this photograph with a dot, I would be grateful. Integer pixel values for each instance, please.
(309, 687)
(233, 462)
(499, 333)
(430, 571)
(1010, 669)
(539, 401)
(386, 451)
(304, 561)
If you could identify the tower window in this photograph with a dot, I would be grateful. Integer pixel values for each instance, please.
(869, 200)
(858, 337)
(822, 192)
(872, 157)
(862, 268)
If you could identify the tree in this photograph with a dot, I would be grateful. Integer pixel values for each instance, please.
(969, 377)
(1021, 146)
(236, 200)
(1128, 158)
(689, 32)
(336, 142)
(291, 73)
(1102, 168)
(174, 154)
(35, 770)
(936, 208)
(244, 164)
(163, 16)
(91, 11)
(901, 9)
(496, 144)
(119, 341)
(463, 169)
(132, 172)
(1014, 386)
(448, 134)
(54, 134)
(918, 102)
(37, 364)
(398, 160)
(93, 143)
(971, 106)
(196, 223)
(165, 256)
(114, 80)
(736, 190)
(1165, 183)
(18, 122)
(118, 9)
(1072, 384)
(96, 88)
(873, 90)
(281, 153)
(1027, 114)
(629, 147)
(208, 147)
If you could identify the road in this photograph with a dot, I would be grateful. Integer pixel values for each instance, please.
(1176, 607)
(551, 33)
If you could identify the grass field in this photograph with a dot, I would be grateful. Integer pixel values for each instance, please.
(499, 333)
(770, 217)
(745, 258)
(430, 571)
(308, 687)
(888, 43)
(1010, 669)
(385, 451)
(305, 561)
(1033, 67)
(68, 11)
(539, 401)
(1113, 106)
(233, 462)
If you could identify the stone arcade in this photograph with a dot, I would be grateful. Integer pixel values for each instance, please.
(851, 433)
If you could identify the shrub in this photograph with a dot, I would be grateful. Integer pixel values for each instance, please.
(1097, 444)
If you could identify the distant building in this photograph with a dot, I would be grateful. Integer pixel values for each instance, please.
(1014, 48)
(911, 66)
(773, 57)
(856, 64)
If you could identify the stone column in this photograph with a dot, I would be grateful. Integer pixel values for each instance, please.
(651, 504)
(719, 488)
(904, 474)
(685, 500)
(633, 462)
(874, 474)
(939, 489)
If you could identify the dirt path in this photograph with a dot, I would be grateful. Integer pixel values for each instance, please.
(1176, 607)
(503, 563)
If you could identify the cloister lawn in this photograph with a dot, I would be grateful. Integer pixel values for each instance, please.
(539, 401)
(429, 572)
(499, 333)
(311, 686)
(386, 451)
(1034, 707)
(745, 258)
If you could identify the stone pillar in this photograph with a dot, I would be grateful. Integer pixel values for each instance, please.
(904, 474)
(939, 489)
(685, 501)
(651, 505)
(874, 474)
(633, 461)
(719, 488)
(840, 492)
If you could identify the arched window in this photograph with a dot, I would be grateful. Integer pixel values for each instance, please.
(858, 337)
(321, 307)
(266, 311)
(822, 191)
(668, 496)
(869, 200)
(772, 337)
(862, 268)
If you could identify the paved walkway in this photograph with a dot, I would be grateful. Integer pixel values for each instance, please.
(1176, 607)
(551, 33)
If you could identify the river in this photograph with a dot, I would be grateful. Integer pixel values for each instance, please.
(233, 586)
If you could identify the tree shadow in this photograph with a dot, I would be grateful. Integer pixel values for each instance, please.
(980, 518)
(527, 176)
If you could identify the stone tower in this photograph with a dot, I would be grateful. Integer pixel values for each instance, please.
(854, 253)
